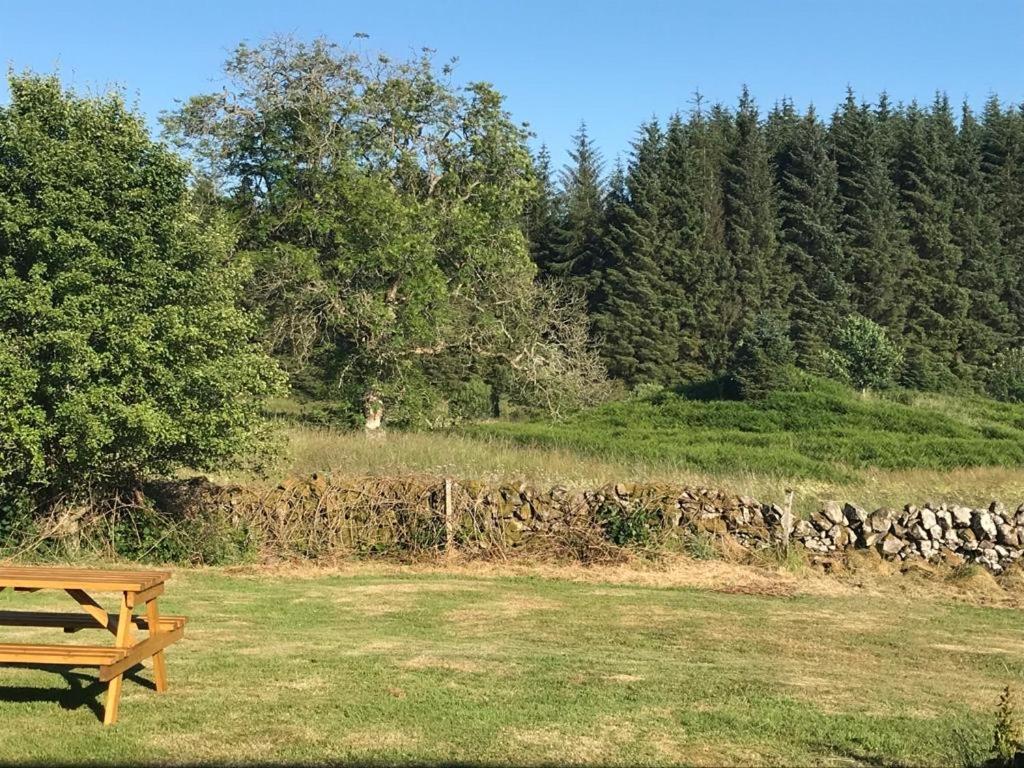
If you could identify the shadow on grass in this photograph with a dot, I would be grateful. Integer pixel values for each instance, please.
(83, 690)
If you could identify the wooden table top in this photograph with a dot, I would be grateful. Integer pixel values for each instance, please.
(95, 579)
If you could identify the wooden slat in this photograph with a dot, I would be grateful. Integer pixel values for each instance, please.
(76, 620)
(140, 651)
(77, 655)
(89, 579)
(143, 597)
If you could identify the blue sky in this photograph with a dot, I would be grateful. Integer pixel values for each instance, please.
(613, 64)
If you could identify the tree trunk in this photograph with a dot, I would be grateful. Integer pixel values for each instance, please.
(373, 411)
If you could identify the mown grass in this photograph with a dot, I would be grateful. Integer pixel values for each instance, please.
(374, 667)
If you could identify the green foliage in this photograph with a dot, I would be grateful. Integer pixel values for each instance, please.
(384, 210)
(1007, 737)
(809, 240)
(1006, 377)
(762, 359)
(123, 350)
(816, 429)
(633, 525)
(863, 355)
(638, 319)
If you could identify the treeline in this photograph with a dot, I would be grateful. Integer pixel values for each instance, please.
(726, 230)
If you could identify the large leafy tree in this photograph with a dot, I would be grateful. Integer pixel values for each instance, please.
(122, 346)
(384, 210)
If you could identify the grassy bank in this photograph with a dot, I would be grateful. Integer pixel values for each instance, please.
(821, 431)
(825, 441)
(387, 666)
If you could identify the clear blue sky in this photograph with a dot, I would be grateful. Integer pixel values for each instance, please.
(612, 63)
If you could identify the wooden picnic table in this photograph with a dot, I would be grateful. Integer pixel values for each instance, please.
(137, 589)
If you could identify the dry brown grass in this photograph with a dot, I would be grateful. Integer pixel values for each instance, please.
(323, 450)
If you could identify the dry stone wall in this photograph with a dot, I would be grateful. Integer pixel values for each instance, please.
(316, 515)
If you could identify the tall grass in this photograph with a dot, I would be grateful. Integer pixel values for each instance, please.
(824, 431)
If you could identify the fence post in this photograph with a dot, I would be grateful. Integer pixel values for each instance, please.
(449, 522)
(787, 518)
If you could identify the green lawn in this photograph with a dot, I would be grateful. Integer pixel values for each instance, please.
(374, 666)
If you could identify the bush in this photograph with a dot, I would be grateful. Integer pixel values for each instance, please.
(763, 359)
(1006, 379)
(863, 355)
(123, 349)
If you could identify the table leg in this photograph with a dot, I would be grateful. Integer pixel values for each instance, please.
(124, 628)
(159, 663)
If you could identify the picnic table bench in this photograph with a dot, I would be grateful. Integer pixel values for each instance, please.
(138, 589)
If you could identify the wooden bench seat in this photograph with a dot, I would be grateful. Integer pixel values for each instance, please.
(71, 655)
(72, 622)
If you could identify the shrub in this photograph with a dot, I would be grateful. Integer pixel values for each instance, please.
(863, 355)
(1006, 379)
(1007, 738)
(122, 347)
(635, 525)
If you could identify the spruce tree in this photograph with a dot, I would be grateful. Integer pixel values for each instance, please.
(873, 238)
(809, 240)
(638, 322)
(1002, 166)
(751, 223)
(576, 256)
(687, 284)
(936, 304)
(543, 215)
(984, 272)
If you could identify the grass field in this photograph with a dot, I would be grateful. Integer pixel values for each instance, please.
(822, 430)
(379, 665)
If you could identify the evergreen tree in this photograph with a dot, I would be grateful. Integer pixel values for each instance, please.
(543, 215)
(873, 238)
(1002, 166)
(686, 282)
(576, 256)
(751, 223)
(638, 320)
(809, 239)
(717, 311)
(936, 304)
(984, 273)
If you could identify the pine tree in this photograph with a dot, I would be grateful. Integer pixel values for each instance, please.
(638, 320)
(873, 238)
(686, 282)
(751, 223)
(984, 272)
(1002, 167)
(936, 305)
(543, 215)
(576, 256)
(807, 183)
